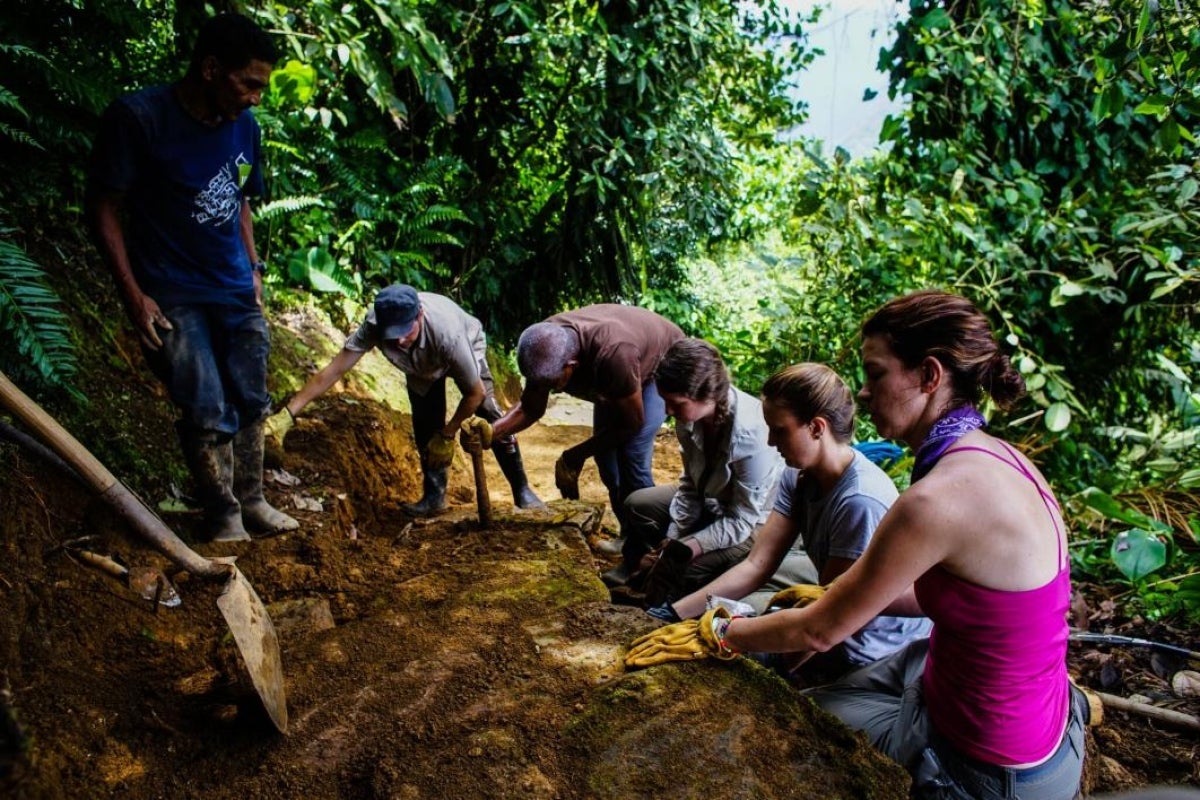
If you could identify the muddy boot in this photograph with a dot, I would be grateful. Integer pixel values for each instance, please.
(434, 500)
(508, 455)
(211, 466)
(259, 516)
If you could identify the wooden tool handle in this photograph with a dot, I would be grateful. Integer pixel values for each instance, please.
(482, 498)
(126, 503)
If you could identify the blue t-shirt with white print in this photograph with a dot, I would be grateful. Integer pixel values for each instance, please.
(183, 184)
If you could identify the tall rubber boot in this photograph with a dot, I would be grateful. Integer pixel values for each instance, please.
(508, 455)
(211, 465)
(259, 516)
(433, 501)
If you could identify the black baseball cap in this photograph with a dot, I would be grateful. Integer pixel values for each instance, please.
(396, 310)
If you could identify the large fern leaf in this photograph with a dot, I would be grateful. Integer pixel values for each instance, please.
(286, 205)
(32, 321)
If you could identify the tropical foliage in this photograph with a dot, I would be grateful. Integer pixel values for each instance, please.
(528, 156)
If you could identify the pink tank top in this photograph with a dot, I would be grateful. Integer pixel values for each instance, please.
(995, 681)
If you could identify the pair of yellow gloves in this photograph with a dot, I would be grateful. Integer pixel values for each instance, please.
(705, 637)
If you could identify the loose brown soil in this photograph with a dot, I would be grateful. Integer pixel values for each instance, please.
(421, 658)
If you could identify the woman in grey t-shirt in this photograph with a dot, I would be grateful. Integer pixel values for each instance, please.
(830, 499)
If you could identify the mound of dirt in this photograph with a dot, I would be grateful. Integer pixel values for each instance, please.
(422, 659)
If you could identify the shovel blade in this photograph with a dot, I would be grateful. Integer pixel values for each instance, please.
(254, 634)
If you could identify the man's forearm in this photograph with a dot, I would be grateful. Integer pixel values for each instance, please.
(318, 384)
(515, 421)
(470, 402)
(110, 238)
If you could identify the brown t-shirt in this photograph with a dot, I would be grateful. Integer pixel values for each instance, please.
(620, 346)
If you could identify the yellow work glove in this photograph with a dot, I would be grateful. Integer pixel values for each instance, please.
(566, 479)
(440, 450)
(476, 430)
(276, 427)
(797, 596)
(682, 641)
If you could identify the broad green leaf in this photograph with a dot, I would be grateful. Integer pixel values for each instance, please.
(1137, 553)
(1155, 104)
(937, 18)
(1058, 417)
(295, 83)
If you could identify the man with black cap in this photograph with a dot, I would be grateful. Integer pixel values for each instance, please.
(428, 337)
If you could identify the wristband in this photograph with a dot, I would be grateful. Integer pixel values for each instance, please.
(260, 267)
(720, 627)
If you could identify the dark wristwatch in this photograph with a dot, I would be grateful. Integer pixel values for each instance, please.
(260, 267)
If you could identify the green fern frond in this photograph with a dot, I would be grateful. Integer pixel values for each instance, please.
(31, 319)
(431, 237)
(371, 141)
(10, 100)
(19, 136)
(364, 210)
(438, 214)
(22, 51)
(351, 182)
(286, 205)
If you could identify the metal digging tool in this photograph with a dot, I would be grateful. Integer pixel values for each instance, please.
(148, 583)
(244, 612)
(482, 499)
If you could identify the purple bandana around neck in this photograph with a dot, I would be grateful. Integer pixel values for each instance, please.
(949, 428)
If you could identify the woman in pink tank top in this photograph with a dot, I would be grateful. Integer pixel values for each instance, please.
(983, 708)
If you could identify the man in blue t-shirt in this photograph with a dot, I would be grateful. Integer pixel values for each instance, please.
(168, 184)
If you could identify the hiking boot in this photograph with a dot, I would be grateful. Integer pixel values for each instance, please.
(617, 576)
(611, 547)
(508, 456)
(211, 466)
(259, 516)
(433, 501)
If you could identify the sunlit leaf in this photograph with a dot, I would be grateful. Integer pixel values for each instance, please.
(1058, 417)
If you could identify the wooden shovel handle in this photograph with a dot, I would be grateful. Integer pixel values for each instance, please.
(482, 498)
(125, 502)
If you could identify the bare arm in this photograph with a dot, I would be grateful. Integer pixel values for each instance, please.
(247, 232)
(771, 544)
(318, 384)
(629, 415)
(472, 397)
(142, 309)
(880, 579)
(528, 410)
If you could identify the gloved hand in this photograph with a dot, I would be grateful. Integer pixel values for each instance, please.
(277, 426)
(475, 430)
(441, 451)
(797, 596)
(566, 478)
(683, 641)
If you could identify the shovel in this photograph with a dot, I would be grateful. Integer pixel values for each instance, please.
(148, 583)
(244, 612)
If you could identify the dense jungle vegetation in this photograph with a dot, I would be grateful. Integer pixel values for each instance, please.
(528, 156)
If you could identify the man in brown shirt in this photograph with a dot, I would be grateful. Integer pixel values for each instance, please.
(606, 354)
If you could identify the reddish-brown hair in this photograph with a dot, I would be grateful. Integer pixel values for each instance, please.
(951, 329)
